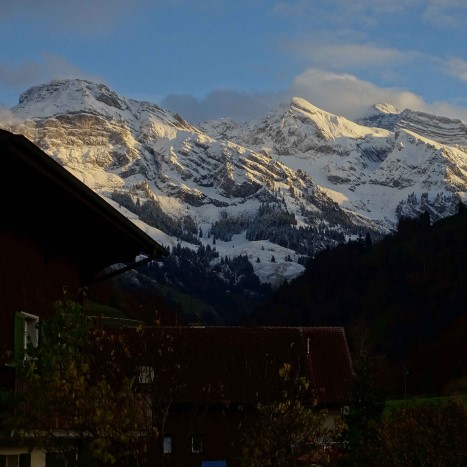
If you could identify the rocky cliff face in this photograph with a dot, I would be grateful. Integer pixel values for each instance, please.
(411, 163)
(330, 178)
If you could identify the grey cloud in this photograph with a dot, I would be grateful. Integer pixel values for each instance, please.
(222, 103)
(37, 72)
(456, 67)
(338, 93)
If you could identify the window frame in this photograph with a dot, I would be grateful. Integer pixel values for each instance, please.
(26, 332)
(31, 329)
(146, 375)
(15, 460)
(197, 438)
(168, 437)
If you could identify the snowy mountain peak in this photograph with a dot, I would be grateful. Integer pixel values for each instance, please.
(285, 186)
(384, 108)
(299, 103)
(60, 96)
(71, 96)
(330, 126)
(382, 115)
(374, 169)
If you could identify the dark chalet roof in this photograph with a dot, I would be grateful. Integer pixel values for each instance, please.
(42, 200)
(241, 364)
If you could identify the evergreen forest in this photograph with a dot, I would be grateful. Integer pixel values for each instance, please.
(402, 298)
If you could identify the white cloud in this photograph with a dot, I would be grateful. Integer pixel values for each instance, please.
(446, 13)
(339, 93)
(456, 67)
(7, 117)
(346, 95)
(348, 56)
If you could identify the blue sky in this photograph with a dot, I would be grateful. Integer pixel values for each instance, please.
(233, 58)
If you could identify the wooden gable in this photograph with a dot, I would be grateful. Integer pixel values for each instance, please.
(56, 234)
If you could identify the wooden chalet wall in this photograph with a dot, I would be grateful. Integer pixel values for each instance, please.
(30, 281)
(225, 371)
(56, 234)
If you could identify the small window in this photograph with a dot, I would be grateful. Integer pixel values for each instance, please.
(26, 332)
(61, 459)
(25, 460)
(168, 444)
(15, 460)
(145, 374)
(31, 330)
(197, 443)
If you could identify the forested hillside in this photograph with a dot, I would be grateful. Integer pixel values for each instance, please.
(403, 297)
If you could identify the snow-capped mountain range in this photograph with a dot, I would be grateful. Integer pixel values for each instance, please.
(284, 186)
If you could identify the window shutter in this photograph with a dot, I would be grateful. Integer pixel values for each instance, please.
(19, 335)
(197, 443)
(42, 331)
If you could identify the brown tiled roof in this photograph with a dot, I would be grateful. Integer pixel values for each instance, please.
(330, 365)
(241, 364)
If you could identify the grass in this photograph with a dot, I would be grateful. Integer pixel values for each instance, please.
(419, 400)
(109, 316)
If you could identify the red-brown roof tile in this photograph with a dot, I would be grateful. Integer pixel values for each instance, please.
(241, 364)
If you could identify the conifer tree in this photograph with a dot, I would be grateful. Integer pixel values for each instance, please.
(365, 413)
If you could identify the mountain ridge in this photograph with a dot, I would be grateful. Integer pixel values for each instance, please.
(336, 179)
